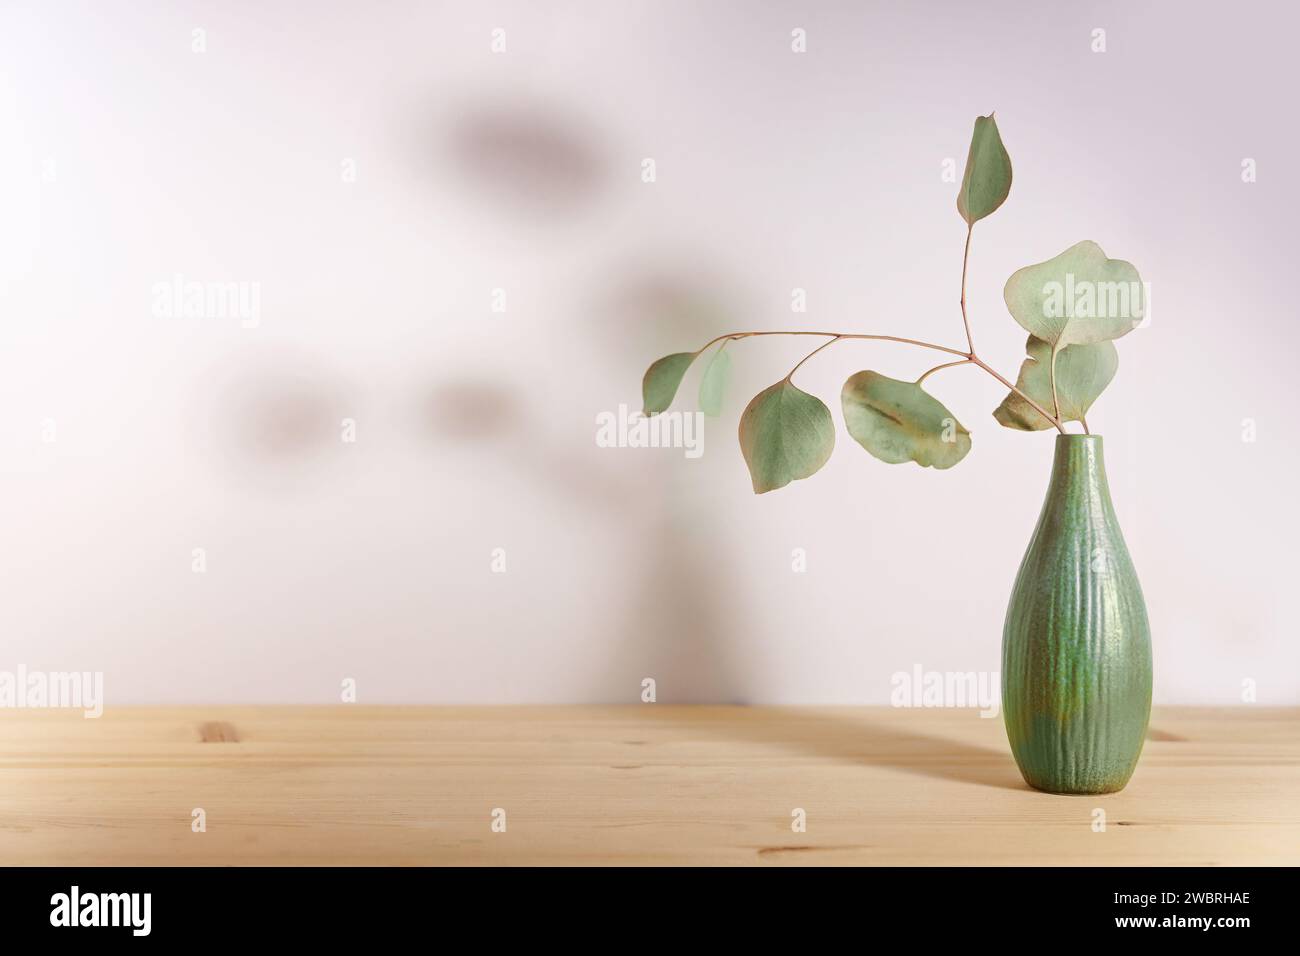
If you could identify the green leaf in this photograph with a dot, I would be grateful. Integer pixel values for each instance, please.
(717, 375)
(1082, 372)
(899, 421)
(987, 180)
(1077, 298)
(785, 434)
(661, 380)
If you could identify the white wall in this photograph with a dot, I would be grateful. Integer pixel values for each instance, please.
(127, 158)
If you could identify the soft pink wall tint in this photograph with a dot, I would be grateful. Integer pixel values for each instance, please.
(375, 172)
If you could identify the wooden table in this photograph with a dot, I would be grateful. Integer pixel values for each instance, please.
(648, 784)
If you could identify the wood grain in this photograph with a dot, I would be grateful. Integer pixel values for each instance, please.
(647, 784)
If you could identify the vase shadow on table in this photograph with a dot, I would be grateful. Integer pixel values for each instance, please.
(864, 740)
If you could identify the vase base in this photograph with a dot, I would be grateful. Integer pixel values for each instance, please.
(1077, 792)
(1065, 788)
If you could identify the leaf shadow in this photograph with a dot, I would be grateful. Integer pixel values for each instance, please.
(534, 160)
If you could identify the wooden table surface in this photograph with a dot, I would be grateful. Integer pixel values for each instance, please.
(646, 784)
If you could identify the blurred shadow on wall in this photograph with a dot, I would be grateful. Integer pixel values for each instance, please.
(674, 627)
(673, 308)
(533, 161)
(471, 411)
(678, 628)
(275, 414)
(529, 160)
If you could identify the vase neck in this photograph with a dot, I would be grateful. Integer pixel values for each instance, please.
(1080, 468)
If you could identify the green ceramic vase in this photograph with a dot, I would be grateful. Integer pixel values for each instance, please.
(1076, 649)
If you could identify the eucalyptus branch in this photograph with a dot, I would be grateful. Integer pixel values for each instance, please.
(836, 336)
(787, 434)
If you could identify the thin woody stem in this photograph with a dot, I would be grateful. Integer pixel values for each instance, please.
(838, 335)
(1056, 404)
(938, 368)
(810, 355)
(965, 261)
(1038, 408)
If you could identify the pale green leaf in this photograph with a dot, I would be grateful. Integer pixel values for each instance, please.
(987, 180)
(785, 434)
(661, 380)
(899, 421)
(1082, 372)
(1077, 298)
(713, 386)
